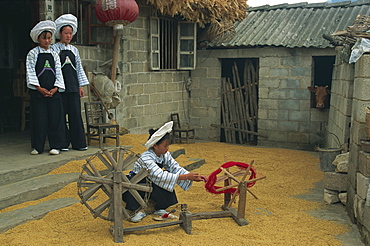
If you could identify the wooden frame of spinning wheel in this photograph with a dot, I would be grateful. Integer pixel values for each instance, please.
(115, 183)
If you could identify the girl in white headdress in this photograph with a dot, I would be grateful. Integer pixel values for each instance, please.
(45, 82)
(164, 173)
(74, 77)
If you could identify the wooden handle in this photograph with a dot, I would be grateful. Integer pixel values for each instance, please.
(115, 57)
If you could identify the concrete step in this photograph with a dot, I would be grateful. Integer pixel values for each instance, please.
(34, 188)
(15, 167)
(9, 220)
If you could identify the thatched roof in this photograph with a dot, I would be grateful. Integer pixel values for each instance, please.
(203, 11)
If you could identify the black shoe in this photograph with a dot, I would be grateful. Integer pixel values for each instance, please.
(82, 149)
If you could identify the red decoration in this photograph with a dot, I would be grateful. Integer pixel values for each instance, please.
(112, 12)
(210, 184)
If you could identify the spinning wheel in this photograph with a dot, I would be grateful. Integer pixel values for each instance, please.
(101, 189)
(230, 192)
(102, 183)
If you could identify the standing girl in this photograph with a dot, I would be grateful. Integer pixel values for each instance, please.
(45, 82)
(74, 77)
(164, 173)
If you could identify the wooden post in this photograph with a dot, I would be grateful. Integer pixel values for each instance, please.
(242, 199)
(227, 196)
(186, 218)
(117, 207)
(367, 121)
(117, 39)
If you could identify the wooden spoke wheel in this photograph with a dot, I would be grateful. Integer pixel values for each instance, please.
(97, 185)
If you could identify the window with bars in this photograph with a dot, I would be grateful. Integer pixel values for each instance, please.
(172, 44)
(90, 30)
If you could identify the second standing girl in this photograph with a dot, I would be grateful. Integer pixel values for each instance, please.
(74, 78)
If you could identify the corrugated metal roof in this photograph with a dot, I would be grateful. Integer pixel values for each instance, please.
(295, 25)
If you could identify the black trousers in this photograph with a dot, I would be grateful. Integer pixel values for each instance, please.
(75, 131)
(47, 119)
(162, 198)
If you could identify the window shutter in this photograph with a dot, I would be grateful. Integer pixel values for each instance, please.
(154, 44)
(186, 54)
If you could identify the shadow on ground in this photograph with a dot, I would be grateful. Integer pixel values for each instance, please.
(333, 212)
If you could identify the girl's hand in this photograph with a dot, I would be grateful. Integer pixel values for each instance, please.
(53, 91)
(44, 91)
(82, 92)
(195, 177)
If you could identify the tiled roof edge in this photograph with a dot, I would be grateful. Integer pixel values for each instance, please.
(309, 5)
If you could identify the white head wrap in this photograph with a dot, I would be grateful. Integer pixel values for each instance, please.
(66, 20)
(40, 27)
(166, 128)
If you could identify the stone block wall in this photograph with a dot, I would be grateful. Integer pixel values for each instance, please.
(147, 97)
(205, 100)
(284, 113)
(358, 198)
(340, 104)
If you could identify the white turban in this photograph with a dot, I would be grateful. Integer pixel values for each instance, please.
(40, 27)
(166, 128)
(66, 20)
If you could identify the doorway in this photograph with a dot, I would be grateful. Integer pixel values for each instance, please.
(18, 17)
(239, 102)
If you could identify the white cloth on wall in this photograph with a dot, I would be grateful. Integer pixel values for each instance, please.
(361, 46)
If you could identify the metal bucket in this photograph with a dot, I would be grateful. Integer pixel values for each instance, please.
(327, 156)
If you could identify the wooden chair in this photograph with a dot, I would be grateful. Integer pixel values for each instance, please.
(180, 134)
(97, 128)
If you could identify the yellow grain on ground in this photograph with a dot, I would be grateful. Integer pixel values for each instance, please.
(275, 218)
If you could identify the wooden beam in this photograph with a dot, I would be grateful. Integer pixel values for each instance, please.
(240, 130)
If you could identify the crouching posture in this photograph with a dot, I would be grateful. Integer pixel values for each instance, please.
(164, 174)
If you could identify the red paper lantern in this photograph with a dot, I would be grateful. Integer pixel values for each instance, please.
(112, 12)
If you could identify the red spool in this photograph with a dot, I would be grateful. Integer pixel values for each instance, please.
(210, 184)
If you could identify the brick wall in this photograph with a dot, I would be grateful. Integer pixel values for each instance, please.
(148, 97)
(340, 104)
(358, 199)
(284, 110)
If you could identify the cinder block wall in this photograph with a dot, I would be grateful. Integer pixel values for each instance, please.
(358, 198)
(284, 113)
(340, 104)
(148, 97)
(205, 100)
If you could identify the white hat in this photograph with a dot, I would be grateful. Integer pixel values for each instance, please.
(66, 20)
(166, 128)
(40, 27)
